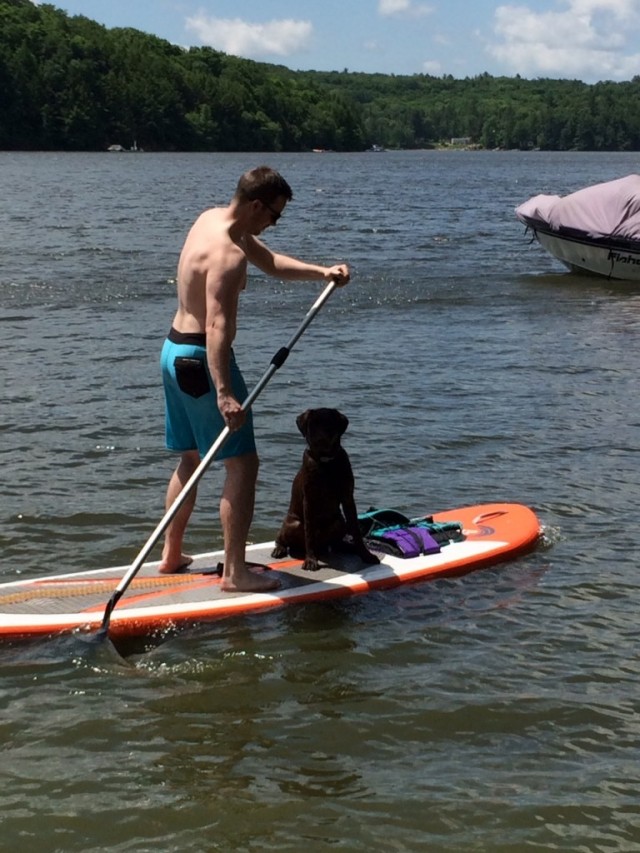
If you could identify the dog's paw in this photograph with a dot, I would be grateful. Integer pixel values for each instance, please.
(367, 557)
(279, 551)
(310, 565)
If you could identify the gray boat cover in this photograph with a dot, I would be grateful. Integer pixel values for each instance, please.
(611, 209)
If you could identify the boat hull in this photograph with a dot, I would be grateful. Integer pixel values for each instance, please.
(587, 256)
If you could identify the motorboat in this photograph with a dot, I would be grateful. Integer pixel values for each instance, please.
(595, 230)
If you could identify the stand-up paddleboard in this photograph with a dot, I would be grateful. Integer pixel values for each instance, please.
(152, 602)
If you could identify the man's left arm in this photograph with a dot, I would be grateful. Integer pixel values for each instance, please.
(285, 267)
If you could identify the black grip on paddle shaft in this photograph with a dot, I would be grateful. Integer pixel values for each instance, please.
(280, 357)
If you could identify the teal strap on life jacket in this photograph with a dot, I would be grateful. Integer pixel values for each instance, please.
(442, 531)
(379, 519)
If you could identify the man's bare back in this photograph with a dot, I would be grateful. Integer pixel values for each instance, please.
(211, 258)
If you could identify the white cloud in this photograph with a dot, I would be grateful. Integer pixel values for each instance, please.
(585, 39)
(432, 66)
(251, 40)
(403, 8)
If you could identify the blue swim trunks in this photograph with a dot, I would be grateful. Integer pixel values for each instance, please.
(193, 420)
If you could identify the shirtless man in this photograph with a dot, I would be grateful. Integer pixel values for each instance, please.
(204, 388)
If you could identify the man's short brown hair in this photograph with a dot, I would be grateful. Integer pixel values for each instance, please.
(262, 184)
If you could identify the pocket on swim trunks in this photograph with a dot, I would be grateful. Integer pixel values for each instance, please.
(192, 376)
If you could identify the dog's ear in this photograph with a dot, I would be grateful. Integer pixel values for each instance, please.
(342, 422)
(302, 420)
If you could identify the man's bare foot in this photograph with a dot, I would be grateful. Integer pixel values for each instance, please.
(247, 580)
(174, 567)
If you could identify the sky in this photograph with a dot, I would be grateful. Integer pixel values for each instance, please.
(587, 40)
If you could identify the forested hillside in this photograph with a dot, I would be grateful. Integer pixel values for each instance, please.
(68, 83)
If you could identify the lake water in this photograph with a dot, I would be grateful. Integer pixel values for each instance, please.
(494, 712)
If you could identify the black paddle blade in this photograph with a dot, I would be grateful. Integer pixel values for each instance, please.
(103, 631)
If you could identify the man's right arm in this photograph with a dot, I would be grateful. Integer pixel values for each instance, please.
(222, 293)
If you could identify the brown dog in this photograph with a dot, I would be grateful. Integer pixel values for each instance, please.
(322, 491)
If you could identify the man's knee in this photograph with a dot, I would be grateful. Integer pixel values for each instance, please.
(189, 461)
(245, 466)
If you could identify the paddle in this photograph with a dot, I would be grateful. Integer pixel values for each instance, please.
(276, 362)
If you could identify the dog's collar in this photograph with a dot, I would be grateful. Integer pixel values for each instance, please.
(323, 460)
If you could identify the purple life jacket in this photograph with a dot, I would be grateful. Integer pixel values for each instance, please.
(405, 541)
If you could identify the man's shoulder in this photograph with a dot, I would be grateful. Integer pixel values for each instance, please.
(212, 228)
(212, 219)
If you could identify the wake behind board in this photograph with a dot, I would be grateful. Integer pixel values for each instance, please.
(153, 602)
